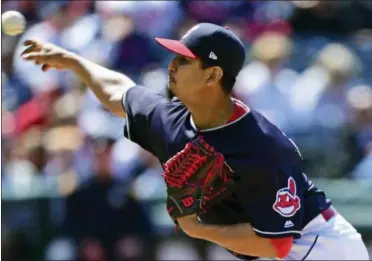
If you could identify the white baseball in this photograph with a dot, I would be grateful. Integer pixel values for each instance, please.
(13, 23)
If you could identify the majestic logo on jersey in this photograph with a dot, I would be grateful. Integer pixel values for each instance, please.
(288, 224)
(287, 202)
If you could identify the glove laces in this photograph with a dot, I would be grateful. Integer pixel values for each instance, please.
(186, 163)
(209, 192)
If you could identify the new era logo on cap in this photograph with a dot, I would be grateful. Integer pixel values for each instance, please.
(213, 56)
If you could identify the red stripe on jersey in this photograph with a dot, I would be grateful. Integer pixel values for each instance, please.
(239, 111)
(282, 246)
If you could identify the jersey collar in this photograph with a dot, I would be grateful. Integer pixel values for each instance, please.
(238, 103)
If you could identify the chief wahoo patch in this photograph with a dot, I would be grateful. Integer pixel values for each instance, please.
(287, 202)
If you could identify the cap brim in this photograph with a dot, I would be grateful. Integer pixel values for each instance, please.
(176, 47)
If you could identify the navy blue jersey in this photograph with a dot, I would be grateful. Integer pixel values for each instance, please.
(272, 194)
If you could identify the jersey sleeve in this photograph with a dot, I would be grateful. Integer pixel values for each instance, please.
(140, 104)
(272, 201)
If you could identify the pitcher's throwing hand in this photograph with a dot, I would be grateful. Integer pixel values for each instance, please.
(46, 54)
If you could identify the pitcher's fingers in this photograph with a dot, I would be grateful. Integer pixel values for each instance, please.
(45, 67)
(31, 42)
(28, 42)
(31, 56)
(35, 57)
(30, 49)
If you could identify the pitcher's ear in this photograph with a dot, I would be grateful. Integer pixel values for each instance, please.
(214, 75)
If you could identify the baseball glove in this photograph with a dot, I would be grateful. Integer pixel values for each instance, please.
(196, 179)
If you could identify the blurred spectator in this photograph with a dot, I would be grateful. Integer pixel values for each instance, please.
(330, 17)
(321, 89)
(61, 142)
(322, 112)
(153, 18)
(18, 246)
(103, 219)
(25, 164)
(177, 250)
(360, 98)
(27, 8)
(14, 91)
(362, 170)
(36, 153)
(265, 83)
(219, 13)
(133, 51)
(57, 17)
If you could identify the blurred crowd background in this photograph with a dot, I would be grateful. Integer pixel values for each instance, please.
(74, 189)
